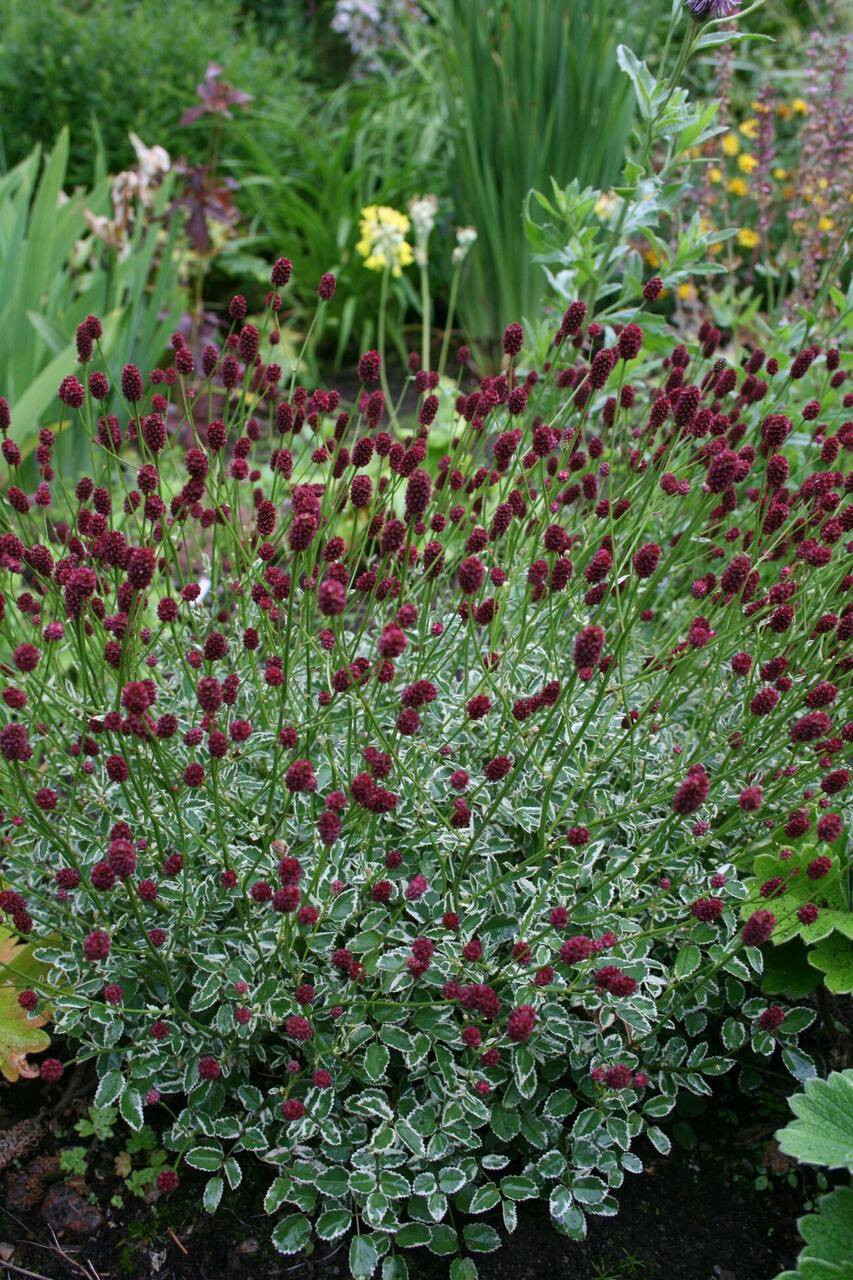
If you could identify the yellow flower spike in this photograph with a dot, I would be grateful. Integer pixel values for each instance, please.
(715, 174)
(825, 224)
(736, 186)
(780, 174)
(746, 163)
(747, 238)
(687, 292)
(800, 106)
(749, 128)
(730, 144)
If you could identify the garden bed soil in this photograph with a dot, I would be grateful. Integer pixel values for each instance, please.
(694, 1215)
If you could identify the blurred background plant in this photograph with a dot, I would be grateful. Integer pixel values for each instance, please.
(284, 119)
(104, 67)
(110, 250)
(532, 93)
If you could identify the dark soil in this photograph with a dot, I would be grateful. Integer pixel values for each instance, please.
(694, 1215)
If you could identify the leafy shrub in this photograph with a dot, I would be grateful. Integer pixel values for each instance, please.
(66, 64)
(822, 1135)
(377, 809)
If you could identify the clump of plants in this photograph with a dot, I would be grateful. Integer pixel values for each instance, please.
(382, 789)
(378, 813)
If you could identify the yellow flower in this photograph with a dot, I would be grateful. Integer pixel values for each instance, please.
(825, 224)
(783, 111)
(780, 173)
(651, 258)
(749, 128)
(736, 186)
(730, 144)
(687, 292)
(606, 205)
(715, 174)
(383, 239)
(800, 106)
(746, 163)
(747, 238)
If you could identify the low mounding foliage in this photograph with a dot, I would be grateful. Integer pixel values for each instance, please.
(382, 802)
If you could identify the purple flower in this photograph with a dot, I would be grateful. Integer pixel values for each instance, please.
(713, 8)
(217, 96)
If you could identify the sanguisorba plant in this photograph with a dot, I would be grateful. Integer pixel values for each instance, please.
(380, 816)
(381, 824)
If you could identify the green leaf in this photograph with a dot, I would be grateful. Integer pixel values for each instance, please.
(688, 960)
(658, 1139)
(395, 1268)
(463, 1269)
(443, 1240)
(589, 1190)
(481, 1238)
(505, 1123)
(641, 78)
(561, 1103)
(834, 957)
(410, 1136)
(376, 1061)
(412, 1235)
(485, 1199)
(552, 1164)
(828, 1234)
(334, 1223)
(131, 1108)
(451, 1179)
(517, 1188)
(822, 1133)
(209, 1159)
(292, 1234)
(524, 1072)
(587, 1122)
(213, 1194)
(567, 1217)
(278, 1193)
(110, 1088)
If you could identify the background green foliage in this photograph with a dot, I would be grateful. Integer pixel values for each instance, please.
(103, 67)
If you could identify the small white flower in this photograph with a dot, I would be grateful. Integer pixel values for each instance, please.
(465, 238)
